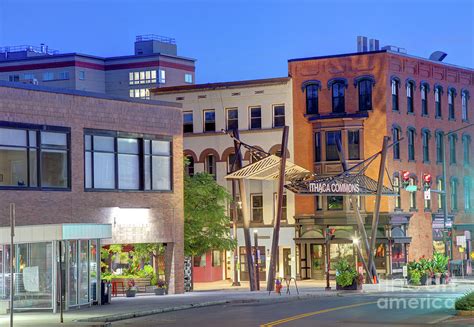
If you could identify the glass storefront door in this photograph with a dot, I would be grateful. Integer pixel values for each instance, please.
(317, 261)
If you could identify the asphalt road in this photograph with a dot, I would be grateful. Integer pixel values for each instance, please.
(409, 309)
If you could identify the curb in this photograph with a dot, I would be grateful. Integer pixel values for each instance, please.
(137, 314)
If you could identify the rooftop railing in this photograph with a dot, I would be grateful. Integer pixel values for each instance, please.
(38, 49)
(154, 37)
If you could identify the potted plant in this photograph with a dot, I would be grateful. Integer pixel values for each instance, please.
(131, 290)
(160, 287)
(440, 266)
(425, 270)
(346, 276)
(415, 277)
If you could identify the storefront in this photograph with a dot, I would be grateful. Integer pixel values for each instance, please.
(38, 272)
(441, 238)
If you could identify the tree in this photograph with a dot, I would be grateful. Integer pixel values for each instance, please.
(206, 225)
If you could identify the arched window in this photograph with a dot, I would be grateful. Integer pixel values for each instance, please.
(451, 95)
(364, 84)
(395, 82)
(411, 143)
(338, 86)
(454, 194)
(425, 134)
(467, 194)
(424, 89)
(189, 166)
(466, 144)
(438, 91)
(396, 133)
(465, 99)
(452, 148)
(210, 165)
(312, 91)
(410, 85)
(396, 189)
(439, 146)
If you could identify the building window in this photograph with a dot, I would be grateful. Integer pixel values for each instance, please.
(188, 78)
(238, 205)
(338, 93)
(63, 75)
(410, 91)
(466, 143)
(318, 203)
(438, 111)
(365, 95)
(335, 202)
(452, 149)
(396, 189)
(189, 168)
(257, 207)
(82, 75)
(116, 162)
(451, 94)
(48, 76)
(331, 145)
(216, 258)
(454, 194)
(14, 78)
(467, 194)
(142, 77)
(255, 118)
(199, 260)
(275, 206)
(188, 126)
(232, 119)
(411, 144)
(317, 147)
(34, 159)
(464, 101)
(424, 100)
(354, 145)
(28, 76)
(439, 146)
(209, 120)
(426, 145)
(140, 93)
(162, 76)
(278, 116)
(312, 99)
(396, 131)
(440, 190)
(395, 86)
(210, 165)
(412, 182)
(231, 162)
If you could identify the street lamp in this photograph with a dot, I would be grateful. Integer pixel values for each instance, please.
(445, 193)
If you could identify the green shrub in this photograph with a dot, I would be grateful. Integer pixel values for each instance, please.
(465, 303)
(345, 273)
(415, 277)
(440, 263)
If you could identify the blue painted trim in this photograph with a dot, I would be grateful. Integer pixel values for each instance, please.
(396, 126)
(310, 82)
(338, 115)
(426, 130)
(426, 85)
(412, 81)
(466, 92)
(411, 128)
(438, 86)
(364, 78)
(335, 80)
(44, 128)
(452, 89)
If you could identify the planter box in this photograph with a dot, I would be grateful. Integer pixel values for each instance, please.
(354, 287)
(130, 293)
(160, 291)
(465, 312)
(140, 284)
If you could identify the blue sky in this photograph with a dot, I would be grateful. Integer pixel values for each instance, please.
(240, 39)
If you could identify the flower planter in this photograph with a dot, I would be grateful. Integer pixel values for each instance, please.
(424, 280)
(131, 293)
(354, 287)
(160, 291)
(438, 278)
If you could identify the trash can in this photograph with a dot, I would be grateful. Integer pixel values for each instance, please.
(105, 292)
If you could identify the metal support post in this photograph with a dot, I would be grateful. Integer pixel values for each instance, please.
(276, 227)
(235, 213)
(328, 258)
(444, 200)
(12, 255)
(257, 256)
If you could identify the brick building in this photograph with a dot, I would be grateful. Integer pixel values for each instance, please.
(361, 97)
(85, 169)
(155, 63)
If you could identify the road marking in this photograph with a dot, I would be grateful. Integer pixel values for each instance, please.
(440, 320)
(309, 314)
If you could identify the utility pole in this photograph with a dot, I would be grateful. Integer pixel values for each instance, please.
(245, 215)
(276, 227)
(375, 219)
(327, 237)
(61, 282)
(257, 256)
(12, 254)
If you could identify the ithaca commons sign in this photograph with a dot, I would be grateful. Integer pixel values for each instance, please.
(333, 187)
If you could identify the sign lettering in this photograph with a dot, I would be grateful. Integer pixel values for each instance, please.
(335, 187)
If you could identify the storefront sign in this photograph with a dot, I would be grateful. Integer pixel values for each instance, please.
(405, 271)
(333, 187)
(427, 195)
(461, 241)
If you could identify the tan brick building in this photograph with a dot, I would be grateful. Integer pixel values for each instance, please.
(85, 169)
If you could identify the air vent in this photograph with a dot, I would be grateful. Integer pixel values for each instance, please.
(235, 94)
(202, 96)
(259, 92)
(179, 98)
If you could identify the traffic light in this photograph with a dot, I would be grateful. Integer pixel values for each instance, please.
(330, 234)
(427, 181)
(405, 178)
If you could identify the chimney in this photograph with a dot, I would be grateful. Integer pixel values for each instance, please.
(362, 44)
(374, 45)
(44, 48)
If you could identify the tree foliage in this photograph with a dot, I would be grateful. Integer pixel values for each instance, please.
(206, 225)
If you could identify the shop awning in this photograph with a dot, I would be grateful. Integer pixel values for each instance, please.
(56, 232)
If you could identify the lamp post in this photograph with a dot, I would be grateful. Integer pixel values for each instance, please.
(445, 190)
(257, 277)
